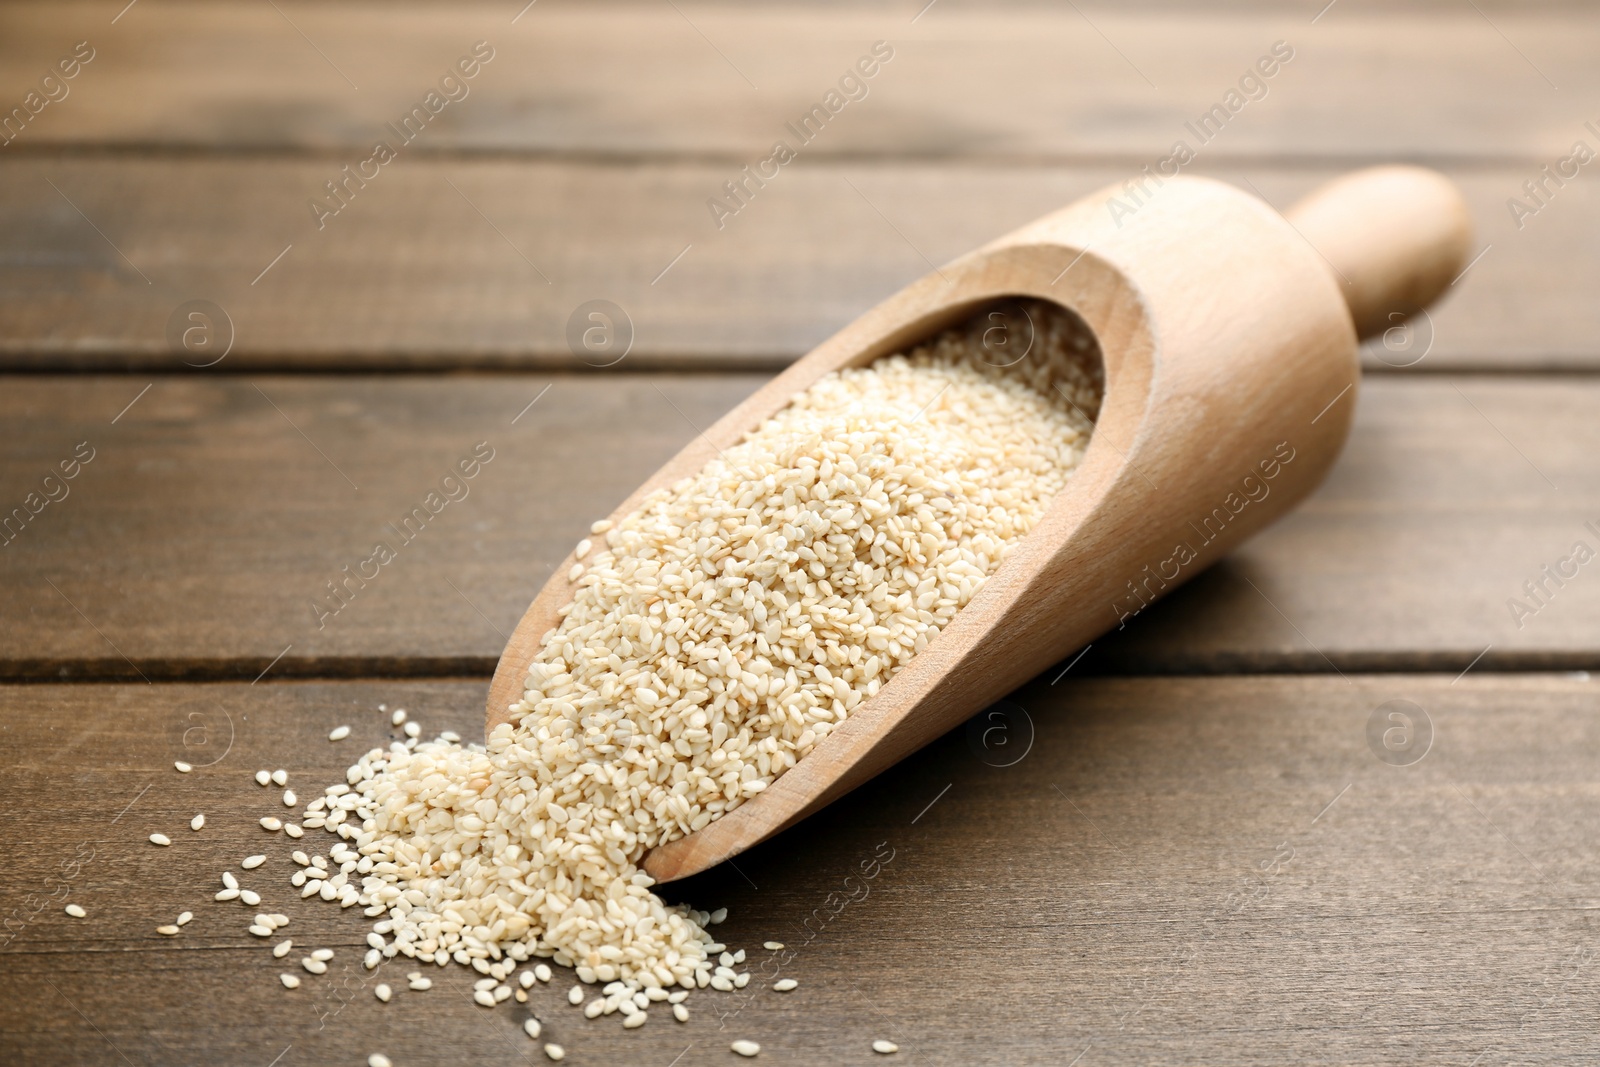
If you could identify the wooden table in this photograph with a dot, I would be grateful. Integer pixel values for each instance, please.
(1197, 844)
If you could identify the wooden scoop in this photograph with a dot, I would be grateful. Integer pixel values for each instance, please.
(1228, 335)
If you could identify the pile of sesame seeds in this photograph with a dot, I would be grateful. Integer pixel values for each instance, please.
(716, 635)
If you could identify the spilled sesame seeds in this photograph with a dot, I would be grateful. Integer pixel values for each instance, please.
(75, 911)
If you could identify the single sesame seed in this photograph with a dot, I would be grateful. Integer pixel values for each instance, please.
(226, 894)
(260, 931)
(783, 985)
(421, 984)
(745, 1048)
(412, 729)
(484, 997)
(229, 881)
(76, 912)
(532, 1027)
(170, 931)
(280, 777)
(250, 863)
(583, 548)
(772, 946)
(322, 955)
(575, 995)
(378, 1059)
(885, 1047)
(680, 1013)
(249, 897)
(289, 799)
(339, 733)
(383, 992)
(543, 972)
(635, 1020)
(718, 916)
(314, 966)
(197, 822)
(263, 778)
(555, 1052)
(281, 949)
(398, 717)
(292, 830)
(269, 823)
(160, 839)
(182, 767)
(185, 917)
(525, 979)
(289, 981)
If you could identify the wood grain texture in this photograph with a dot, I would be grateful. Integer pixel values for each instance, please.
(966, 78)
(198, 538)
(1176, 871)
(411, 274)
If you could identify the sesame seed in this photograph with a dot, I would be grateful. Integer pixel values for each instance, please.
(783, 985)
(260, 931)
(745, 1048)
(281, 949)
(160, 839)
(289, 799)
(250, 863)
(484, 997)
(542, 972)
(249, 897)
(635, 1020)
(185, 917)
(339, 733)
(280, 777)
(715, 635)
(772, 946)
(680, 1012)
(269, 823)
(583, 548)
(532, 1027)
(289, 981)
(322, 955)
(383, 992)
(182, 767)
(229, 881)
(885, 1047)
(525, 979)
(555, 1052)
(263, 778)
(292, 830)
(170, 931)
(226, 894)
(197, 822)
(314, 966)
(421, 984)
(398, 717)
(378, 1059)
(76, 912)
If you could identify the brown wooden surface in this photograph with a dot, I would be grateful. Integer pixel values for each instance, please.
(1178, 871)
(798, 263)
(198, 538)
(967, 79)
(1115, 893)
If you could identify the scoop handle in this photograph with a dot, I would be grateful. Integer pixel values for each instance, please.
(1395, 236)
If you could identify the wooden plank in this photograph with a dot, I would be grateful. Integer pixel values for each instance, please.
(965, 79)
(1221, 870)
(203, 535)
(487, 263)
